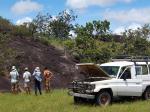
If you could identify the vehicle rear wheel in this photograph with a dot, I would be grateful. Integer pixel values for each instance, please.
(103, 98)
(146, 95)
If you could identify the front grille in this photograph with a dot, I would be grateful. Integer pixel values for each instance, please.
(79, 87)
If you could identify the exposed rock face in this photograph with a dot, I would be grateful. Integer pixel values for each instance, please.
(31, 53)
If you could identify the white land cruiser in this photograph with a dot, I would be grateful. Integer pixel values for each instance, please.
(112, 79)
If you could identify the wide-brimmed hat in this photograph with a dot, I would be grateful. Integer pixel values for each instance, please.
(37, 68)
(13, 68)
(26, 68)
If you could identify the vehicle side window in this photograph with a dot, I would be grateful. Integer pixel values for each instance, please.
(138, 70)
(125, 72)
(144, 70)
(141, 70)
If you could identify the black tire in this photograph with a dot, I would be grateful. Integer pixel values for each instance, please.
(146, 94)
(103, 98)
(77, 100)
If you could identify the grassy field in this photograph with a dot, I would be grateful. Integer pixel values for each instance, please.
(59, 101)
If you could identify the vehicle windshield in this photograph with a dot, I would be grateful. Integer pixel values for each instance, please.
(111, 70)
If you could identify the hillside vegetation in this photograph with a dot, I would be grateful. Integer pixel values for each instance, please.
(47, 42)
(59, 101)
(92, 42)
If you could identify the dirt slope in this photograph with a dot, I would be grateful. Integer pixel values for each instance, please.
(4, 84)
(31, 53)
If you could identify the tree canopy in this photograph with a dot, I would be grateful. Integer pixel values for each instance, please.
(94, 42)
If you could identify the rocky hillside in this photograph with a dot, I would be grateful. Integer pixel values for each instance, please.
(31, 53)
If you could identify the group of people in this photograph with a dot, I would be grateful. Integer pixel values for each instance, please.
(37, 77)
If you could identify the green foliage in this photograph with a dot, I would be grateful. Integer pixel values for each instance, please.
(95, 29)
(57, 42)
(3, 37)
(21, 31)
(137, 41)
(39, 24)
(5, 26)
(94, 41)
(101, 47)
(69, 44)
(45, 41)
(85, 42)
(93, 51)
(88, 46)
(61, 25)
(58, 27)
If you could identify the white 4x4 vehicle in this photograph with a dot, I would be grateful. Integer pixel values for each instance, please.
(113, 79)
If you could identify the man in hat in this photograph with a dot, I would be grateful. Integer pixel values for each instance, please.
(14, 76)
(27, 80)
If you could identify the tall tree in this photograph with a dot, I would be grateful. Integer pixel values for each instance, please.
(61, 25)
(39, 24)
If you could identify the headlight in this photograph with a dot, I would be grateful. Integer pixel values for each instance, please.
(91, 87)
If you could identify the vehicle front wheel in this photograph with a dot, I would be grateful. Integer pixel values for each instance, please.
(103, 98)
(146, 95)
(77, 99)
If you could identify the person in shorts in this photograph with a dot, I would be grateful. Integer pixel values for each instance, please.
(14, 77)
(47, 78)
(27, 80)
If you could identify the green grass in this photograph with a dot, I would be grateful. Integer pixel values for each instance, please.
(59, 101)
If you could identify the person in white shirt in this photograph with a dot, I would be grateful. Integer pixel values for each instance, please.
(14, 77)
(27, 80)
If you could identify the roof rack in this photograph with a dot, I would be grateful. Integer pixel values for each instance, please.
(132, 58)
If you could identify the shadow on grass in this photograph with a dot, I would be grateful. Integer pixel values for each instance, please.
(118, 100)
(121, 100)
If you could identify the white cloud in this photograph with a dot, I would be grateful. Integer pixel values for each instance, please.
(81, 4)
(134, 26)
(132, 15)
(121, 29)
(54, 17)
(25, 6)
(23, 20)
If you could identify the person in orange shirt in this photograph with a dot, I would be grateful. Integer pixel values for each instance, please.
(47, 77)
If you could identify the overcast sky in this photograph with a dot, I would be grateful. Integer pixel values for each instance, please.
(123, 14)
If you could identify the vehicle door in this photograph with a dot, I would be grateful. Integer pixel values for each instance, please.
(143, 73)
(128, 84)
